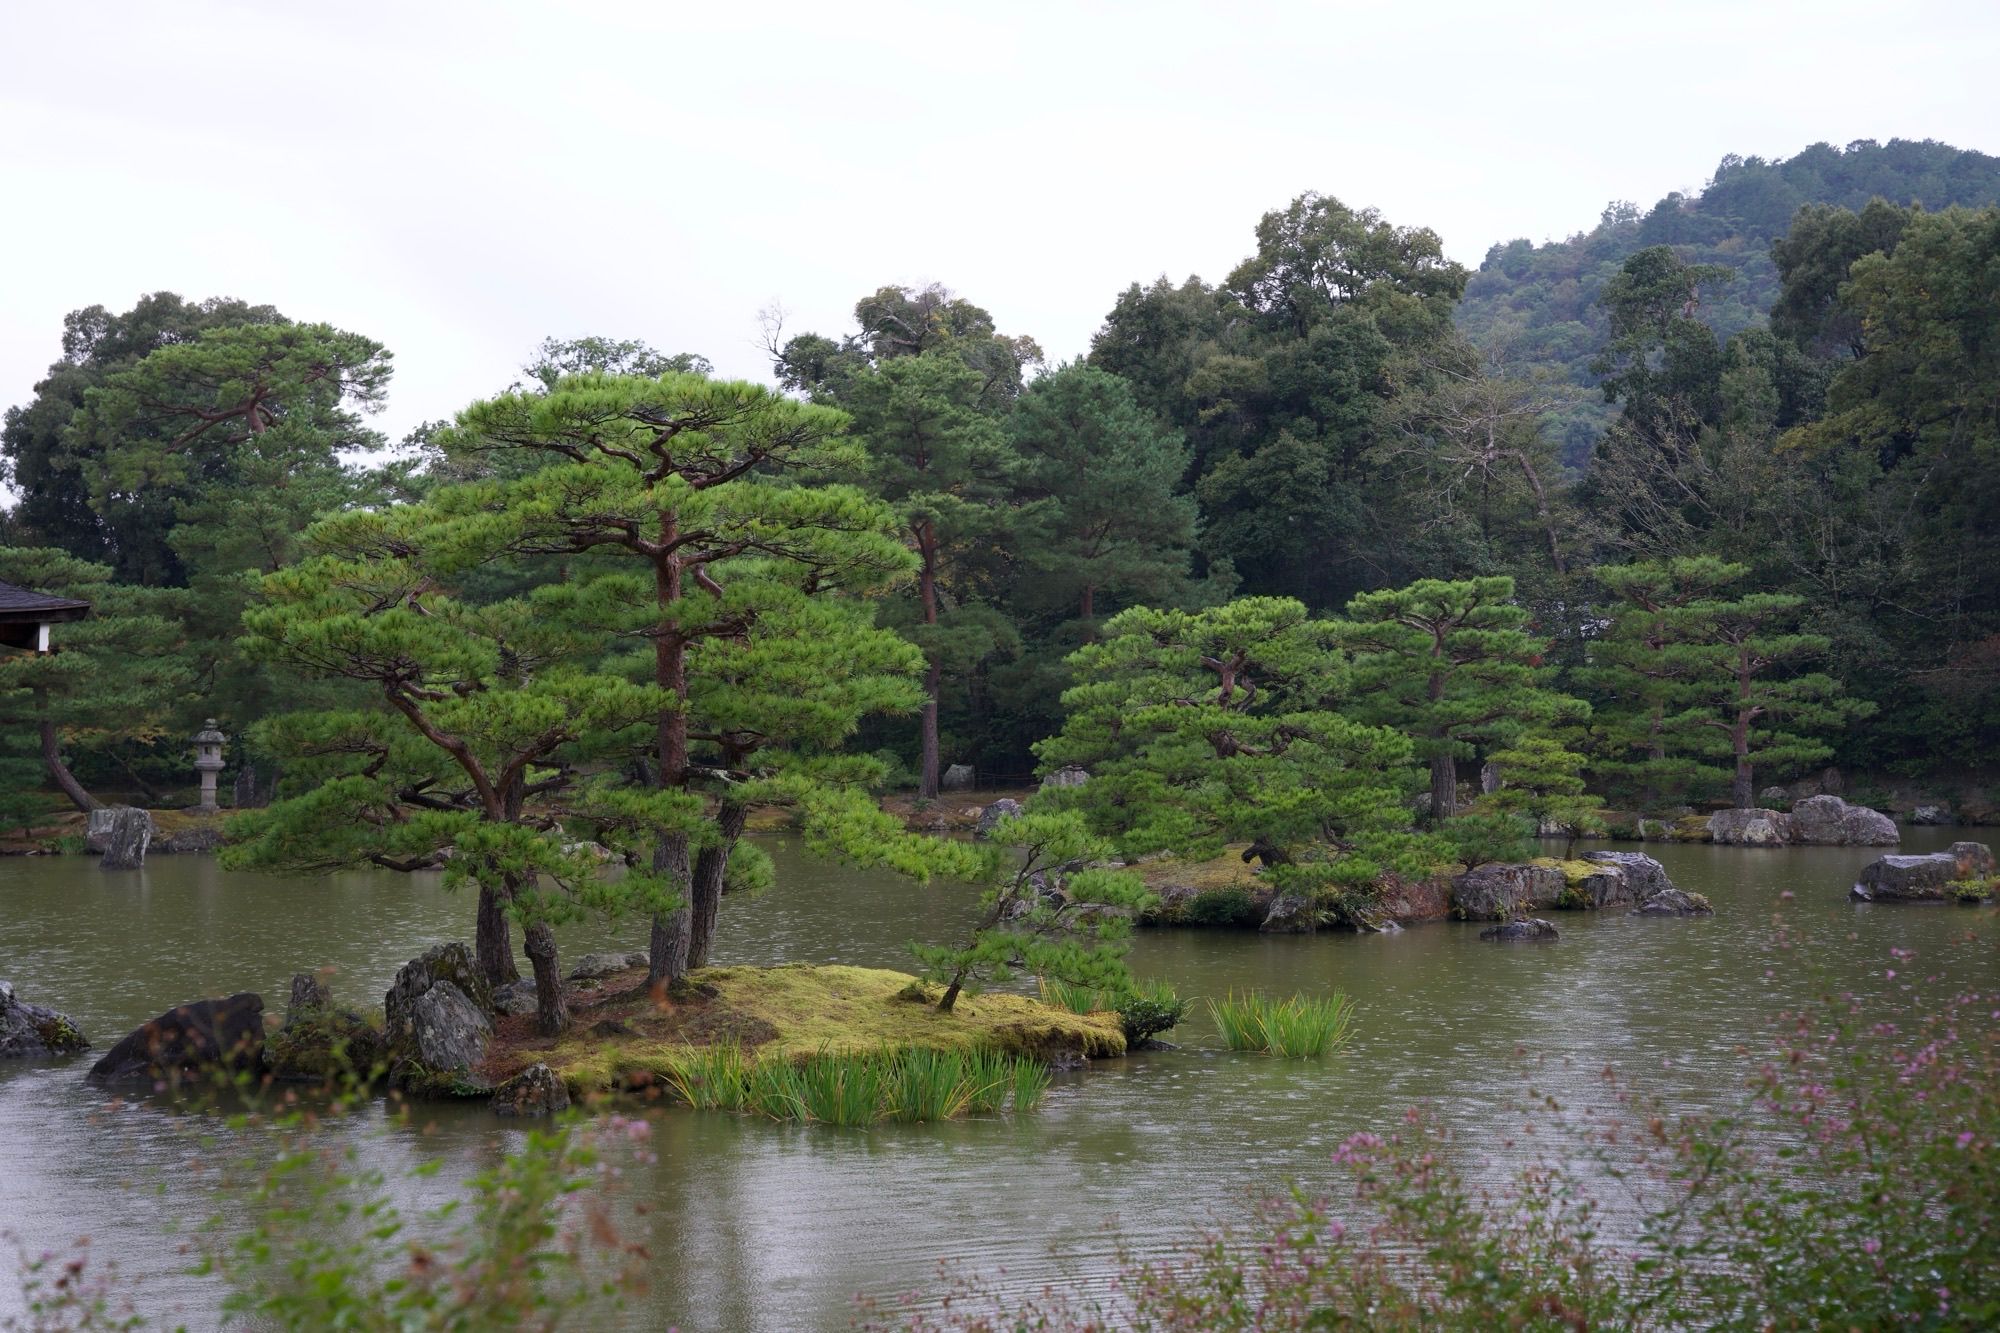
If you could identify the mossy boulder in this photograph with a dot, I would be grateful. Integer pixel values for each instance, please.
(328, 1046)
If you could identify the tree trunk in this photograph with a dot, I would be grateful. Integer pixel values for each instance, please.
(668, 949)
(551, 1010)
(951, 993)
(1444, 787)
(59, 771)
(1742, 792)
(492, 942)
(1088, 609)
(929, 783)
(709, 870)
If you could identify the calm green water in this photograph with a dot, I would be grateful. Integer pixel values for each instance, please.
(761, 1226)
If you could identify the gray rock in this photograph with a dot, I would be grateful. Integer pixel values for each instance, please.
(516, 997)
(1828, 821)
(1922, 878)
(32, 1032)
(989, 818)
(1534, 928)
(1655, 830)
(1290, 914)
(310, 997)
(1644, 876)
(449, 1031)
(597, 966)
(441, 962)
(1750, 828)
(1672, 902)
(121, 833)
(195, 838)
(1069, 775)
(204, 1038)
(1932, 815)
(957, 778)
(1497, 892)
(534, 1091)
(1773, 796)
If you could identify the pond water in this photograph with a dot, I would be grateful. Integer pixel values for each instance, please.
(760, 1226)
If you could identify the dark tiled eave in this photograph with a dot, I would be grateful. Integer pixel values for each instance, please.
(21, 606)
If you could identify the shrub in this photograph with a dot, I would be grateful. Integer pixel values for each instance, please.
(1228, 906)
(1475, 839)
(1144, 1009)
(1973, 891)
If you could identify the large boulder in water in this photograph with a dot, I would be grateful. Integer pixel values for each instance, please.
(1828, 821)
(201, 1039)
(1673, 902)
(1922, 878)
(1750, 828)
(1644, 876)
(448, 1031)
(1290, 914)
(989, 818)
(959, 777)
(1499, 892)
(121, 834)
(1534, 928)
(438, 1023)
(534, 1091)
(440, 962)
(32, 1032)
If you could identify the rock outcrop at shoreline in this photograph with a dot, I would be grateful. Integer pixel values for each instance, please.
(215, 1039)
(1914, 879)
(438, 1023)
(35, 1032)
(1817, 821)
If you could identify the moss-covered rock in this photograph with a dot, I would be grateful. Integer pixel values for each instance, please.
(328, 1046)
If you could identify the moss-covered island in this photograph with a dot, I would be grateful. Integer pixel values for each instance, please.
(626, 1039)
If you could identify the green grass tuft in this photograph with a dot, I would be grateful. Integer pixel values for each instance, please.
(1298, 1028)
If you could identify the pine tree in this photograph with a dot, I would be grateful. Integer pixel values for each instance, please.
(1229, 725)
(679, 499)
(1542, 782)
(1449, 665)
(1741, 657)
(1640, 673)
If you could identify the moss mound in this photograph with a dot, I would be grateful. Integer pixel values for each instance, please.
(624, 1037)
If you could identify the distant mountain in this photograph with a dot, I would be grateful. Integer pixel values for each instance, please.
(1540, 301)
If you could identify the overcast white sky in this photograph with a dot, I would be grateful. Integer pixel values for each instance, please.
(458, 180)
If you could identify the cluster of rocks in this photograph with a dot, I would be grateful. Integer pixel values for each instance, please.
(1927, 878)
(1509, 892)
(435, 1040)
(1816, 821)
(121, 835)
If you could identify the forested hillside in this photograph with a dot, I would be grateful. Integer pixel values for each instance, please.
(1537, 305)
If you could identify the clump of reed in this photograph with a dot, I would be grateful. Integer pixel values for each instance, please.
(912, 1085)
(1145, 1009)
(1299, 1028)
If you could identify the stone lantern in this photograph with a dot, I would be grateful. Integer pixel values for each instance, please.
(208, 762)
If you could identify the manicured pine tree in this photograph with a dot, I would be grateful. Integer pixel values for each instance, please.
(667, 481)
(1230, 725)
(1449, 665)
(1542, 782)
(1755, 704)
(1640, 673)
(484, 713)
